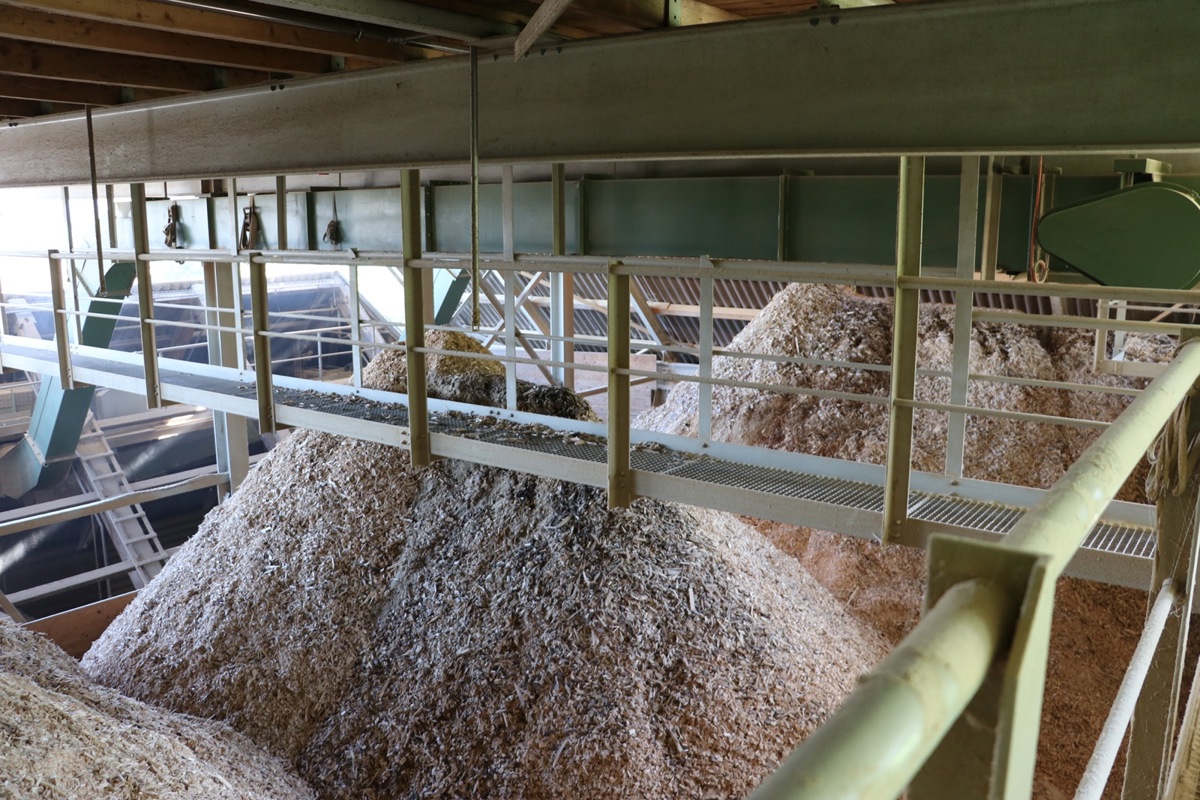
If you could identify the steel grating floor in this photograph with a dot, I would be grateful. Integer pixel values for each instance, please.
(994, 518)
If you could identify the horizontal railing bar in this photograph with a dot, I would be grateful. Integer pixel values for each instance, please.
(1090, 323)
(1023, 416)
(1085, 290)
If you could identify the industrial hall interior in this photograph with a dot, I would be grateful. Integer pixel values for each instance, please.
(533, 399)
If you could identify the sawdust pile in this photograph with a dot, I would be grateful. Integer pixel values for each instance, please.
(1095, 626)
(61, 736)
(467, 631)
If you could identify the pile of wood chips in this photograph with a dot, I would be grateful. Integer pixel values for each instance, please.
(467, 631)
(62, 736)
(1095, 626)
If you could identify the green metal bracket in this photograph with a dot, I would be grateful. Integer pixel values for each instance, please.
(1146, 235)
(990, 750)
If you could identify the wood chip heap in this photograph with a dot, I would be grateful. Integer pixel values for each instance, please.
(468, 631)
(1095, 626)
(62, 736)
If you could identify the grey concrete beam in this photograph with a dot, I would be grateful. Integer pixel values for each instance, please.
(947, 78)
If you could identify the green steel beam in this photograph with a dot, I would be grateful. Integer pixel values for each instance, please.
(909, 224)
(708, 98)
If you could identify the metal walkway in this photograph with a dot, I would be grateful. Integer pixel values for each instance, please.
(1118, 553)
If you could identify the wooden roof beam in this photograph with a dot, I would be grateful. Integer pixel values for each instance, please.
(656, 13)
(404, 15)
(88, 94)
(212, 24)
(38, 60)
(21, 109)
(48, 28)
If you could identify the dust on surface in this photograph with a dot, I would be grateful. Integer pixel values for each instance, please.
(461, 630)
(1095, 626)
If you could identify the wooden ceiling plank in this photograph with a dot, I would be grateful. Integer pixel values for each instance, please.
(21, 109)
(90, 94)
(48, 28)
(40, 60)
(212, 24)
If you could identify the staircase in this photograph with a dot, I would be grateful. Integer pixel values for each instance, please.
(127, 526)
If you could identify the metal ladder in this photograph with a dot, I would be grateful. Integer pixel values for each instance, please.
(127, 526)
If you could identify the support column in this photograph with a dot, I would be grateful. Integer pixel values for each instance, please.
(141, 246)
(964, 304)
(562, 284)
(510, 287)
(620, 491)
(909, 217)
(414, 318)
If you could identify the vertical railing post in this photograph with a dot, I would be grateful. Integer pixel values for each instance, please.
(281, 222)
(510, 287)
(261, 323)
(964, 303)
(355, 327)
(620, 491)
(58, 307)
(1151, 736)
(909, 218)
(993, 194)
(562, 285)
(229, 430)
(414, 318)
(704, 421)
(141, 246)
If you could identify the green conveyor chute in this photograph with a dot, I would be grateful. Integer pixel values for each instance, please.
(43, 456)
(1146, 235)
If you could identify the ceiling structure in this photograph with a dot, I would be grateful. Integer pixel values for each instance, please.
(64, 55)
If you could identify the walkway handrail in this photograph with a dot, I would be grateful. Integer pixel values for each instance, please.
(884, 733)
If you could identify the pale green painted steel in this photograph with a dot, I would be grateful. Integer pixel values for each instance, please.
(1151, 741)
(260, 320)
(414, 321)
(1108, 746)
(1146, 235)
(909, 222)
(876, 742)
(620, 490)
(145, 296)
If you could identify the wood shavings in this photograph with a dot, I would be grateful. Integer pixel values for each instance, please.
(466, 631)
(1095, 626)
(61, 736)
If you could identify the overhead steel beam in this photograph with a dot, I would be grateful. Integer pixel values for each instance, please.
(742, 89)
(404, 15)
